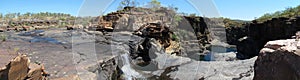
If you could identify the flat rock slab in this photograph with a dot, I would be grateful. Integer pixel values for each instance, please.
(57, 60)
(6, 56)
(61, 61)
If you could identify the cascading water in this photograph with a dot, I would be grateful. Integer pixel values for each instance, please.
(129, 72)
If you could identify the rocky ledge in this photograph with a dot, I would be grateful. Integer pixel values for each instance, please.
(20, 68)
(278, 61)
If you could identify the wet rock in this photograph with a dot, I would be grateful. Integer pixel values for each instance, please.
(167, 66)
(45, 40)
(278, 60)
(215, 70)
(33, 33)
(211, 56)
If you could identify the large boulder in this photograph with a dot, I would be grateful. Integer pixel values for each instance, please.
(20, 68)
(278, 60)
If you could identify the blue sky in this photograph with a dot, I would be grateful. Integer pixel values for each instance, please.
(23, 6)
(235, 9)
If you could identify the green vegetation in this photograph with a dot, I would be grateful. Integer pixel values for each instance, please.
(232, 23)
(155, 3)
(174, 37)
(1, 15)
(3, 37)
(40, 16)
(193, 15)
(13, 19)
(288, 12)
(127, 3)
(177, 19)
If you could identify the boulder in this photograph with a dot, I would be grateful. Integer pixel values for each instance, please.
(20, 68)
(278, 60)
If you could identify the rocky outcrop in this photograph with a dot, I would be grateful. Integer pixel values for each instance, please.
(30, 24)
(199, 27)
(165, 37)
(258, 34)
(278, 60)
(170, 67)
(131, 18)
(20, 68)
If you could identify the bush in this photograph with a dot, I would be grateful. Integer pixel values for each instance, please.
(288, 12)
(3, 37)
(174, 37)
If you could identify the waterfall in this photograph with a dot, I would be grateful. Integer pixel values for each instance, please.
(129, 72)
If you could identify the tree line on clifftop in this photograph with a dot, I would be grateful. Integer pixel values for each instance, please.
(288, 13)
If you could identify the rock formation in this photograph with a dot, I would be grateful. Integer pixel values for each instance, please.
(278, 60)
(158, 49)
(250, 38)
(165, 37)
(199, 27)
(26, 25)
(20, 68)
(131, 18)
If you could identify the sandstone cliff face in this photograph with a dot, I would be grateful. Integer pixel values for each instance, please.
(184, 29)
(252, 37)
(130, 19)
(278, 60)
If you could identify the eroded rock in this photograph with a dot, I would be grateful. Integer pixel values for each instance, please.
(260, 33)
(20, 68)
(164, 36)
(278, 60)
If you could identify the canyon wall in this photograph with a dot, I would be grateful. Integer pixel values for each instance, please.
(252, 37)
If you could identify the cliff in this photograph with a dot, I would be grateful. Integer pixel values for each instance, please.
(251, 37)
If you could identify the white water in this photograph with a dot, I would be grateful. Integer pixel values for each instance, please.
(128, 71)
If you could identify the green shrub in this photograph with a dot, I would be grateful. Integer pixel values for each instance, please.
(174, 37)
(3, 37)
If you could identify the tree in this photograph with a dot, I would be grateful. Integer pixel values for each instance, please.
(27, 15)
(172, 7)
(193, 15)
(265, 17)
(298, 10)
(288, 12)
(7, 16)
(154, 4)
(127, 3)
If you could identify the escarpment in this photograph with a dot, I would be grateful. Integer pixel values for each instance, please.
(251, 37)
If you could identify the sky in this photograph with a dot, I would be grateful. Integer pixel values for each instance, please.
(234, 9)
